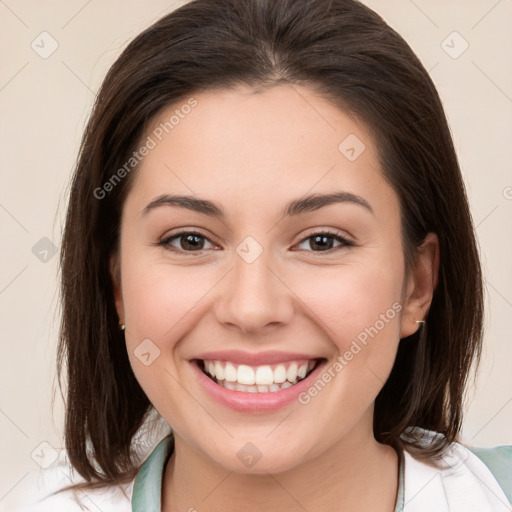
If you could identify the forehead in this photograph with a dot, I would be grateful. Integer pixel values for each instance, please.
(243, 146)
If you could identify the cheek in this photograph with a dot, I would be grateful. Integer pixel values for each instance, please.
(160, 298)
(159, 303)
(359, 308)
(350, 300)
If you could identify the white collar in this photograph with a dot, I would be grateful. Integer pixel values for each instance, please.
(460, 482)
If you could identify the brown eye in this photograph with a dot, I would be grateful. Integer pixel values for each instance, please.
(188, 241)
(324, 241)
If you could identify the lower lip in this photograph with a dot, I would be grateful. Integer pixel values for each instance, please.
(255, 402)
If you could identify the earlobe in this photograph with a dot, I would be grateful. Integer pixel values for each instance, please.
(423, 280)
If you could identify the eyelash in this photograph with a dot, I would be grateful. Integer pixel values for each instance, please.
(166, 241)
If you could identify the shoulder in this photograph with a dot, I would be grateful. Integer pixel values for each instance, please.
(465, 478)
(39, 489)
(40, 492)
(499, 461)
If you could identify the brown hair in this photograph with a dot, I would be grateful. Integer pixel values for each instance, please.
(346, 52)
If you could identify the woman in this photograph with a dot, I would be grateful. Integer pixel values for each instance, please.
(268, 242)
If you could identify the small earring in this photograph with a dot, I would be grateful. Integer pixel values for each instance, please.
(421, 322)
(122, 327)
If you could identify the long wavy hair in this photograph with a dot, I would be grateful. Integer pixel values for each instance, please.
(348, 54)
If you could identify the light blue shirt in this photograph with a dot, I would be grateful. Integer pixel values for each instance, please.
(147, 488)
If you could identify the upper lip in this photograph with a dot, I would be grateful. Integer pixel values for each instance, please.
(254, 358)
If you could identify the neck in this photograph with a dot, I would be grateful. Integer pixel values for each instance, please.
(356, 473)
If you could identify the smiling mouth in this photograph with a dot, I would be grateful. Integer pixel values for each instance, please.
(257, 379)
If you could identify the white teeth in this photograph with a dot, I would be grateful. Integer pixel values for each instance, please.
(291, 373)
(255, 389)
(219, 371)
(260, 379)
(264, 375)
(230, 373)
(303, 369)
(245, 375)
(280, 374)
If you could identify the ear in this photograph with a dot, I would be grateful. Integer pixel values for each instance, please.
(115, 274)
(421, 284)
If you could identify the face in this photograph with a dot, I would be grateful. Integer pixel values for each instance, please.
(295, 312)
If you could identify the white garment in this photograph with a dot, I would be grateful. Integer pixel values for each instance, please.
(463, 483)
(59, 475)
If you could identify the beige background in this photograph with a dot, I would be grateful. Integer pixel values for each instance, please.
(45, 103)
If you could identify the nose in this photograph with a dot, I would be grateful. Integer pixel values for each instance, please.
(254, 297)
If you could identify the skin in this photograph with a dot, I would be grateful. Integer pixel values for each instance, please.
(253, 153)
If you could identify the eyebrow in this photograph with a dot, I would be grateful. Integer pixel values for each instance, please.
(296, 207)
